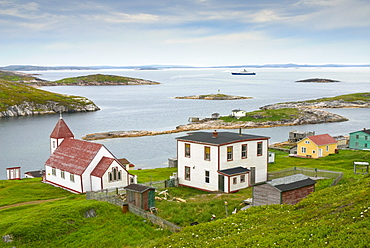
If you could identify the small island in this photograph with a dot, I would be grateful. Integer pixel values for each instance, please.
(317, 80)
(214, 97)
(281, 114)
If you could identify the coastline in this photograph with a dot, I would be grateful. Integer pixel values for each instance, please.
(311, 116)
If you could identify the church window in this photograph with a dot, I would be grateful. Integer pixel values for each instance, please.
(62, 174)
(54, 171)
(115, 175)
(72, 178)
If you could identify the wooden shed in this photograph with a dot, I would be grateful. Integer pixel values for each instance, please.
(285, 190)
(140, 196)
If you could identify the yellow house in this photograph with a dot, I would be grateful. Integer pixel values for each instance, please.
(316, 146)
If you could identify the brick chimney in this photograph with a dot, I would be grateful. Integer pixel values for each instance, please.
(215, 134)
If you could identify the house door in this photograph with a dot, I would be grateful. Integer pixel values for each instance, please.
(221, 183)
(320, 153)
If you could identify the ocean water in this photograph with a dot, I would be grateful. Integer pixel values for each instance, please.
(24, 141)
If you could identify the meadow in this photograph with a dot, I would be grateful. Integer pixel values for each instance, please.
(335, 216)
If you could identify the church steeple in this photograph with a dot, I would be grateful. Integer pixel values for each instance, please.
(61, 131)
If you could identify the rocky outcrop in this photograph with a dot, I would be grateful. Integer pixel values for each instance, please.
(308, 116)
(31, 108)
(317, 80)
(213, 97)
(320, 104)
(132, 81)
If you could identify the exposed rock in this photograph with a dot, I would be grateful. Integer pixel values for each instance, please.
(308, 116)
(31, 108)
(320, 104)
(7, 238)
(318, 80)
(214, 97)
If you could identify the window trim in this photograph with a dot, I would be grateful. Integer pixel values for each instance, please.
(187, 175)
(207, 155)
(303, 149)
(54, 171)
(244, 151)
(235, 180)
(260, 149)
(187, 150)
(207, 177)
(229, 153)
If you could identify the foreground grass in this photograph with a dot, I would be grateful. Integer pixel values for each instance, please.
(63, 224)
(338, 216)
(26, 190)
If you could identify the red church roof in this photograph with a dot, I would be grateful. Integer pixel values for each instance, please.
(61, 130)
(322, 139)
(102, 166)
(73, 156)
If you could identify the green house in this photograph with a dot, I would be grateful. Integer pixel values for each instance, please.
(360, 140)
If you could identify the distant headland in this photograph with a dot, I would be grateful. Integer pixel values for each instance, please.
(214, 97)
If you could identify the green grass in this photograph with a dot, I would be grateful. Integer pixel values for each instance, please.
(333, 217)
(13, 93)
(62, 224)
(15, 77)
(153, 175)
(266, 115)
(26, 190)
(331, 214)
(364, 96)
(99, 78)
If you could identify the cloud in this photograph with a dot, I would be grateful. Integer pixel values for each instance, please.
(124, 18)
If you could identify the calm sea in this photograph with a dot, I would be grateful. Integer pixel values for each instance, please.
(24, 141)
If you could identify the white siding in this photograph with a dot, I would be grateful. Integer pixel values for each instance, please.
(57, 180)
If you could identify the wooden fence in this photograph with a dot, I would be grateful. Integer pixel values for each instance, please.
(310, 172)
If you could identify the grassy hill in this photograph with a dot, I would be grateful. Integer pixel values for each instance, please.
(336, 216)
(101, 79)
(15, 93)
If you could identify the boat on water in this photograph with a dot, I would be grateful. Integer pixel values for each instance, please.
(243, 72)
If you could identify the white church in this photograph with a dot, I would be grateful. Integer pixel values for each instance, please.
(80, 166)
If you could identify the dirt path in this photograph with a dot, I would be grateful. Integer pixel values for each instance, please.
(31, 202)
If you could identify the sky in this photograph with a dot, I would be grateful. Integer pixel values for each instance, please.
(186, 32)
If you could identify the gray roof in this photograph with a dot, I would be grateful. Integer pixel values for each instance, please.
(138, 188)
(234, 171)
(291, 182)
(222, 137)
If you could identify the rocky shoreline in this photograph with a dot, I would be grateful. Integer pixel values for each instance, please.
(309, 116)
(31, 108)
(214, 97)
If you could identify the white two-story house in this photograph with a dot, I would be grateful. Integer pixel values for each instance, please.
(222, 161)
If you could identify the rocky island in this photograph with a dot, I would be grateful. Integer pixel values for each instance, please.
(20, 97)
(283, 114)
(213, 97)
(317, 80)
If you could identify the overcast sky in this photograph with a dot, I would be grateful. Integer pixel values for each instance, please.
(186, 32)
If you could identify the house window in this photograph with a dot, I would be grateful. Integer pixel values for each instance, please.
(307, 142)
(313, 151)
(207, 153)
(327, 148)
(72, 178)
(365, 137)
(62, 174)
(229, 153)
(206, 176)
(244, 151)
(357, 136)
(356, 144)
(303, 149)
(53, 171)
(187, 150)
(53, 143)
(365, 145)
(242, 178)
(259, 149)
(235, 180)
(187, 173)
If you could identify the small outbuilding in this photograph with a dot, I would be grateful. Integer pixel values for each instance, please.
(13, 173)
(140, 196)
(34, 174)
(285, 190)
